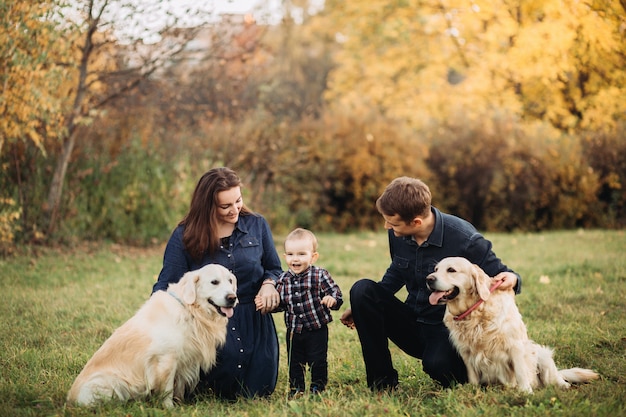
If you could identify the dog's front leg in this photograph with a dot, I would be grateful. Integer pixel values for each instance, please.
(168, 399)
(160, 373)
(472, 373)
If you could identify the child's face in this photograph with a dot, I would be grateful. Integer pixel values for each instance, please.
(299, 254)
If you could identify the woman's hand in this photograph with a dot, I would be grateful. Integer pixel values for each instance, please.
(267, 298)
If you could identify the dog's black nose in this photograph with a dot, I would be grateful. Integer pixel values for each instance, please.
(232, 299)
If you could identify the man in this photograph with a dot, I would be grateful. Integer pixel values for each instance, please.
(419, 237)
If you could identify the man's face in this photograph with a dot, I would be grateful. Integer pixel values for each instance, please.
(399, 226)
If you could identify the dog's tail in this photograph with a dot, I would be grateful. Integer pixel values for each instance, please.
(578, 375)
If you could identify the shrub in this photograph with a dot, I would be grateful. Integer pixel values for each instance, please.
(24, 181)
(505, 176)
(331, 170)
(10, 214)
(132, 186)
(132, 199)
(606, 155)
(544, 184)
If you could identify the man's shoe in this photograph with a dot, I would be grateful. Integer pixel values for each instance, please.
(384, 386)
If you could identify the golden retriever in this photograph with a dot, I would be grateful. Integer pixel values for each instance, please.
(162, 348)
(492, 338)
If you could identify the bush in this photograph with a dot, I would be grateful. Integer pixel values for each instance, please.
(503, 176)
(323, 173)
(133, 185)
(544, 184)
(135, 198)
(330, 171)
(606, 155)
(10, 214)
(24, 181)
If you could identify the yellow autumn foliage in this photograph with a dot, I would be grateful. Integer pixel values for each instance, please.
(30, 77)
(561, 62)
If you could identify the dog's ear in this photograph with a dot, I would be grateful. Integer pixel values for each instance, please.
(481, 281)
(189, 289)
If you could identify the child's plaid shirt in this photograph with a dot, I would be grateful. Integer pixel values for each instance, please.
(301, 298)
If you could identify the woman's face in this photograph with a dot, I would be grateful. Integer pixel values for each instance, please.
(229, 205)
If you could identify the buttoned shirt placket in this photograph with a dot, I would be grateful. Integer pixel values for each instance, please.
(237, 336)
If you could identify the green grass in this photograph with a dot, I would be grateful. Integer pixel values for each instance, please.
(58, 306)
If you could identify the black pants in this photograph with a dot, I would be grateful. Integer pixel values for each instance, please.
(379, 317)
(308, 348)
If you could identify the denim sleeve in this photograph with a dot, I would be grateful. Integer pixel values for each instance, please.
(481, 253)
(175, 262)
(271, 261)
(395, 276)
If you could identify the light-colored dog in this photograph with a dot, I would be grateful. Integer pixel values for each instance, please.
(492, 338)
(162, 348)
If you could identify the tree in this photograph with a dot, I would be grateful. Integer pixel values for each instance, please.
(561, 62)
(29, 76)
(105, 70)
(293, 88)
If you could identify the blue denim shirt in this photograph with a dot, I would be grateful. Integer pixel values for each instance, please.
(301, 298)
(251, 256)
(412, 263)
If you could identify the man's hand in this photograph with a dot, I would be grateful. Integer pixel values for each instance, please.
(509, 280)
(346, 318)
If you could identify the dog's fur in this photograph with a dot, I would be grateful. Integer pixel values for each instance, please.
(162, 348)
(492, 339)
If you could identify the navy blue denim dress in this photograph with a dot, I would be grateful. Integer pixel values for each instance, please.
(248, 362)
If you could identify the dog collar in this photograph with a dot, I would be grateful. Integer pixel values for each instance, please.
(479, 302)
(176, 298)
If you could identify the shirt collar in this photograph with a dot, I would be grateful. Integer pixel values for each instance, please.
(436, 236)
(241, 224)
(301, 274)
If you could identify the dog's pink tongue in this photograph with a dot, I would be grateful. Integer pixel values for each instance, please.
(228, 311)
(435, 296)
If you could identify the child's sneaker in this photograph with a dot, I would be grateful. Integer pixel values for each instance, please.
(295, 393)
(315, 390)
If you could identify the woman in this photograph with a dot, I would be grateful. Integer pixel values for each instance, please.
(219, 228)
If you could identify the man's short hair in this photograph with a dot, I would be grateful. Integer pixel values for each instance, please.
(406, 197)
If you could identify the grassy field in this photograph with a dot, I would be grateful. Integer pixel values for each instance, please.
(58, 306)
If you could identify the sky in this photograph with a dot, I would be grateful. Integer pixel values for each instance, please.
(128, 24)
(146, 24)
(235, 6)
(256, 7)
(272, 8)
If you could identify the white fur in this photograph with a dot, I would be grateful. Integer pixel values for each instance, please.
(162, 348)
(492, 340)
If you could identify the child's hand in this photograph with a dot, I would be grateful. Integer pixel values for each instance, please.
(329, 301)
(258, 302)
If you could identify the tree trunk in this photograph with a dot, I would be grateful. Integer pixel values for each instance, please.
(58, 178)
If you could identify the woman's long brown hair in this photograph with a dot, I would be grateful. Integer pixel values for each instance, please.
(200, 235)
